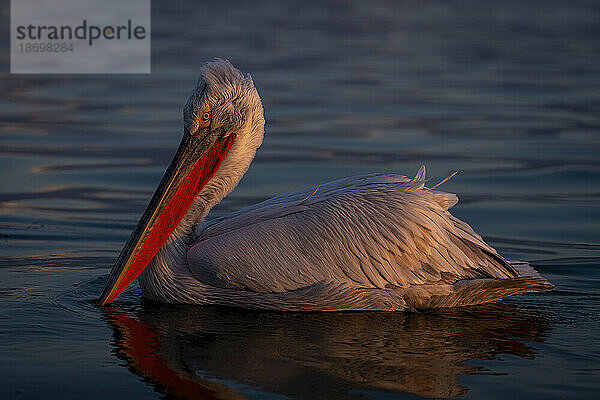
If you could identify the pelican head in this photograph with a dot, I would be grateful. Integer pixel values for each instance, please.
(223, 128)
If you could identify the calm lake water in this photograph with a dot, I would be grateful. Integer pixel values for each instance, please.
(507, 93)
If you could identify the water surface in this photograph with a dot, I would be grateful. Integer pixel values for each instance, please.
(508, 94)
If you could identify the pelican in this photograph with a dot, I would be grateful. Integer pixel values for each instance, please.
(369, 242)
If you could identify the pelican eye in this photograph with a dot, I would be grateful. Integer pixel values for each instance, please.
(205, 119)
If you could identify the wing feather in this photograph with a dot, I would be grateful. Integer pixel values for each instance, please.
(371, 231)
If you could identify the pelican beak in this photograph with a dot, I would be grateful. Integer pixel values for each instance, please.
(195, 163)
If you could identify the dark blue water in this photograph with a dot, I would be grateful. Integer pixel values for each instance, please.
(507, 93)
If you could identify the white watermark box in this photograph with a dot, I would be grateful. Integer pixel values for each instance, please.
(80, 36)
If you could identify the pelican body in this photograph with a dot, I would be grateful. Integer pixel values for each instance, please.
(370, 242)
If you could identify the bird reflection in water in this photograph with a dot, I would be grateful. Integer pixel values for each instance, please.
(200, 352)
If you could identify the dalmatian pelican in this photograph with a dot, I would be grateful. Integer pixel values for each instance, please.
(369, 242)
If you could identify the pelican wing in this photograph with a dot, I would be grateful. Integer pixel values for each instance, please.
(371, 231)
